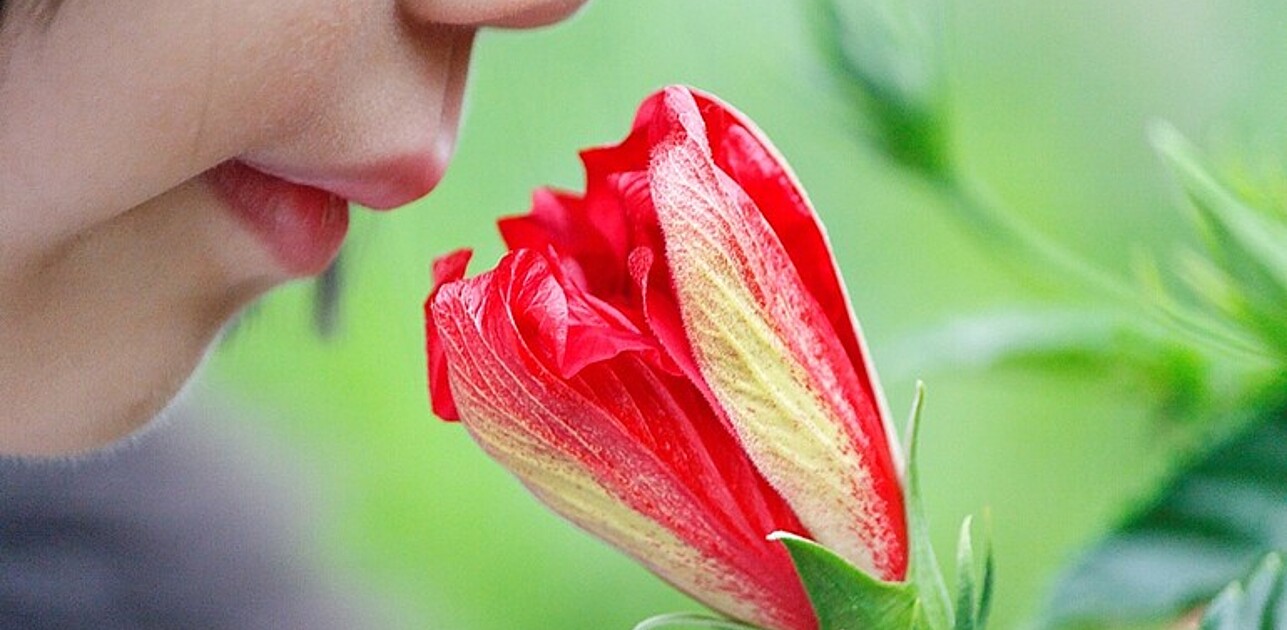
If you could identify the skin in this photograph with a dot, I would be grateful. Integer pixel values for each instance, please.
(119, 264)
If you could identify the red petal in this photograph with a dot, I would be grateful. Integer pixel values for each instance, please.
(742, 246)
(586, 234)
(572, 328)
(645, 437)
(446, 269)
(743, 152)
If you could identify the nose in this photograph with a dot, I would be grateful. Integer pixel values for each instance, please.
(494, 13)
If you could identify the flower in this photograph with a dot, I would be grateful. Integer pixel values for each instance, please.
(670, 361)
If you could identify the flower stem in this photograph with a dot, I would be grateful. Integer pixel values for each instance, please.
(1013, 240)
(1016, 242)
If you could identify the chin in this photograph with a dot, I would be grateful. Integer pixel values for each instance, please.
(115, 325)
(145, 415)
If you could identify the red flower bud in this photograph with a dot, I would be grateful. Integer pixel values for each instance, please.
(670, 361)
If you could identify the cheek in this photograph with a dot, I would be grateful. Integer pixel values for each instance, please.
(120, 101)
(277, 65)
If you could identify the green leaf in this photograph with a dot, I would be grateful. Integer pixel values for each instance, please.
(1224, 336)
(1236, 226)
(690, 621)
(983, 341)
(1259, 604)
(1216, 516)
(846, 598)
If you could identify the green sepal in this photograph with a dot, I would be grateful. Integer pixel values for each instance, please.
(690, 621)
(923, 570)
(1257, 603)
(846, 598)
(972, 611)
(983, 610)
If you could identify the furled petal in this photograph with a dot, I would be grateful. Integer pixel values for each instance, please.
(768, 328)
(622, 446)
(447, 269)
(593, 238)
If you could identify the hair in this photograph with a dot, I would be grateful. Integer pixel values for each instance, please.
(326, 299)
(43, 11)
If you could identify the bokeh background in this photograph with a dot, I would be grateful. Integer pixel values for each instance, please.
(1051, 100)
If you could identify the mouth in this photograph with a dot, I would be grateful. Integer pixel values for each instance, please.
(303, 217)
(302, 226)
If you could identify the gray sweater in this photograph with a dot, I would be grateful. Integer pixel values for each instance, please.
(181, 528)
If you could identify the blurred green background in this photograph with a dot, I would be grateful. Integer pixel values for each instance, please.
(1051, 100)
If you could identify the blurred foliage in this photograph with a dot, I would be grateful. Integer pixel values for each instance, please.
(1257, 602)
(1214, 519)
(1220, 510)
(890, 58)
(1179, 381)
(1225, 508)
(1046, 105)
(1241, 280)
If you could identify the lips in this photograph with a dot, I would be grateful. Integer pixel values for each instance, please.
(385, 185)
(302, 217)
(302, 226)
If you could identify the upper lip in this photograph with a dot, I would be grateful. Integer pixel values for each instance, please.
(380, 185)
(399, 178)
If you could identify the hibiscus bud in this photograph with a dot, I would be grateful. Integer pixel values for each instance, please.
(670, 361)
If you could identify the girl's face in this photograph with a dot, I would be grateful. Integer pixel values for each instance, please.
(163, 162)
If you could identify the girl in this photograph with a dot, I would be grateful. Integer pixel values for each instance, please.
(165, 162)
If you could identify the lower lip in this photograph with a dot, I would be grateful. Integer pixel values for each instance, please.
(302, 226)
